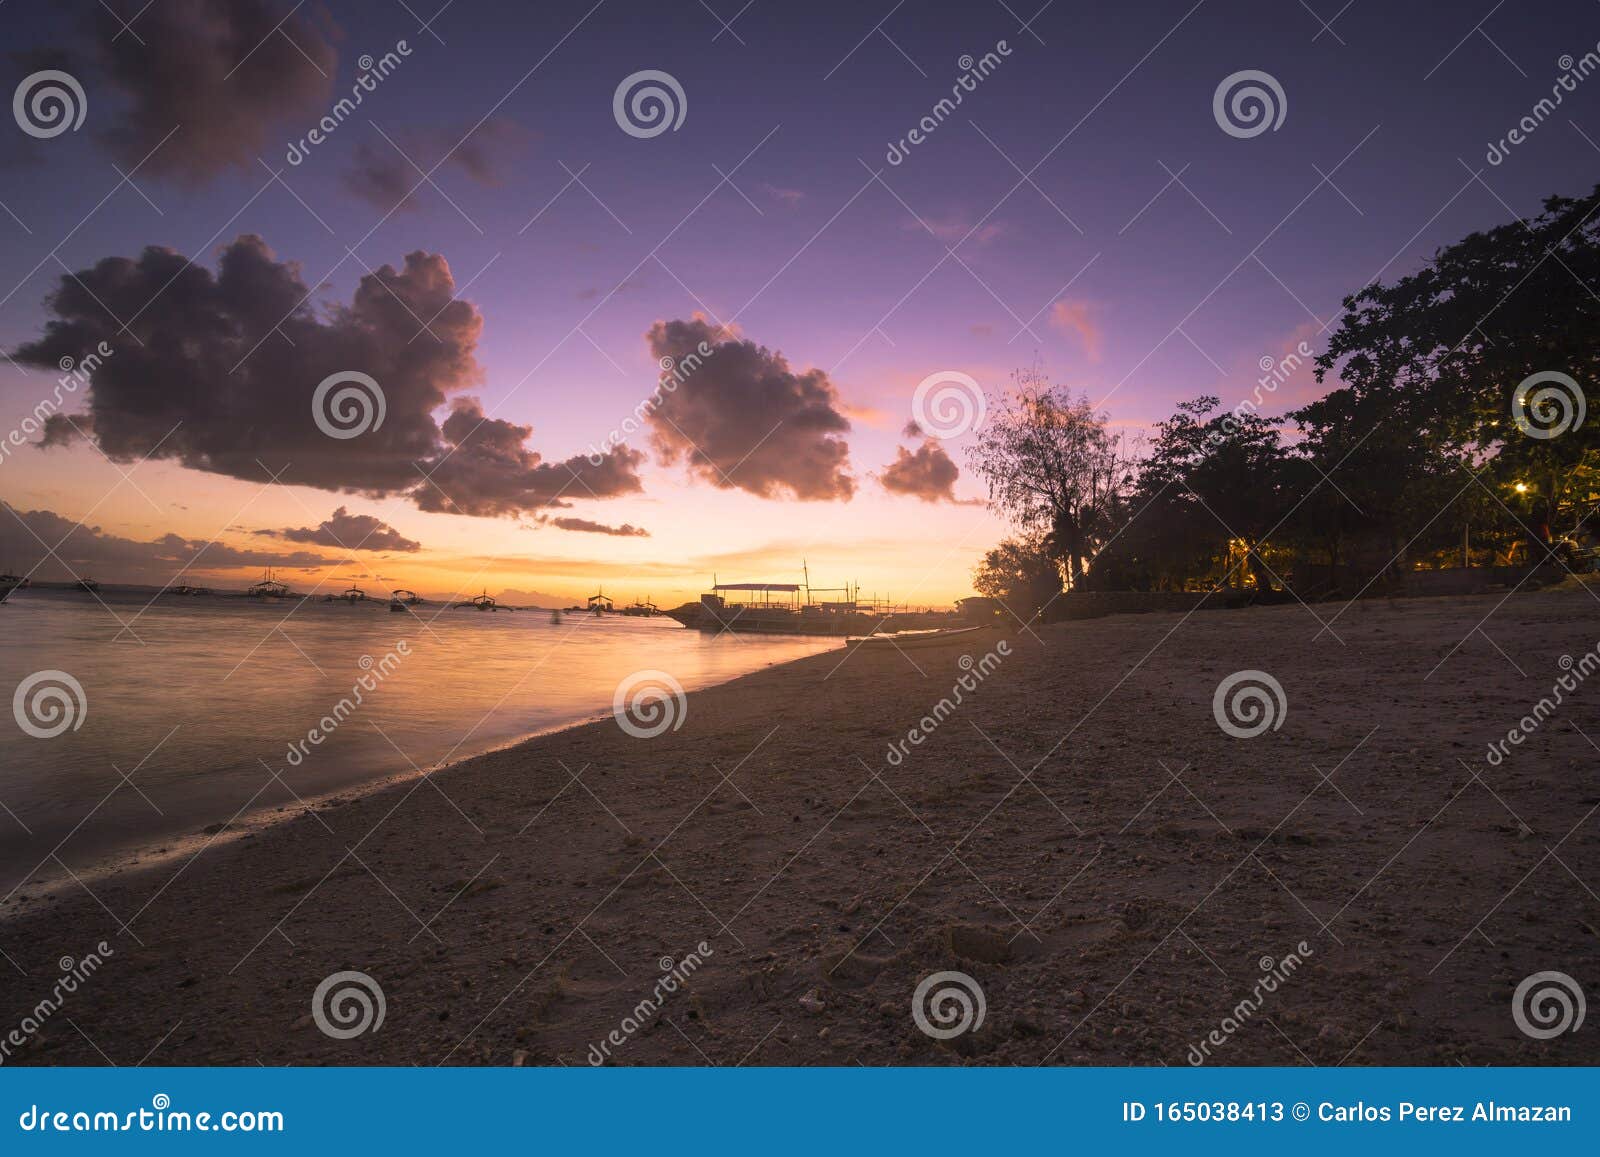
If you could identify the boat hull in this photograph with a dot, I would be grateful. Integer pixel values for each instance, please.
(760, 620)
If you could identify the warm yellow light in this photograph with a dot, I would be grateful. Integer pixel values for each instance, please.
(1522, 487)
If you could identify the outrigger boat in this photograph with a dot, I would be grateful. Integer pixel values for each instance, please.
(268, 588)
(403, 600)
(484, 602)
(9, 583)
(642, 610)
(795, 609)
(87, 585)
(186, 589)
(599, 604)
(776, 608)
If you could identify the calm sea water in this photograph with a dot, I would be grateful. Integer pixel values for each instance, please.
(202, 696)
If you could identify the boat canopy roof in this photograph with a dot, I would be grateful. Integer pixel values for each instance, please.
(756, 587)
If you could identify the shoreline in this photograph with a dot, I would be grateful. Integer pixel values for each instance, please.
(260, 820)
(1076, 835)
(245, 825)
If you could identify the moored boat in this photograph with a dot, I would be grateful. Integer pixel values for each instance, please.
(484, 602)
(775, 609)
(268, 588)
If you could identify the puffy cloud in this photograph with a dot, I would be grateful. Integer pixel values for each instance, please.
(226, 379)
(89, 551)
(487, 470)
(1076, 317)
(64, 429)
(223, 73)
(741, 418)
(926, 473)
(348, 531)
(626, 530)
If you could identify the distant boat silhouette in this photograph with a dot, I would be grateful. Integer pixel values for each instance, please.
(644, 609)
(268, 588)
(598, 603)
(87, 585)
(9, 583)
(484, 602)
(402, 599)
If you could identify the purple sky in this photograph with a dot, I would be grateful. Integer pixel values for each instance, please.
(1082, 206)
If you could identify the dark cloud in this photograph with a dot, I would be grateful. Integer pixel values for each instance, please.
(387, 173)
(742, 418)
(926, 473)
(349, 532)
(223, 73)
(64, 429)
(227, 374)
(486, 469)
(626, 530)
(86, 551)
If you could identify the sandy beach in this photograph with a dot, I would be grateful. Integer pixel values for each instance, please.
(1079, 836)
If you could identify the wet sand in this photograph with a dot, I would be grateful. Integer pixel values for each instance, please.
(1078, 836)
